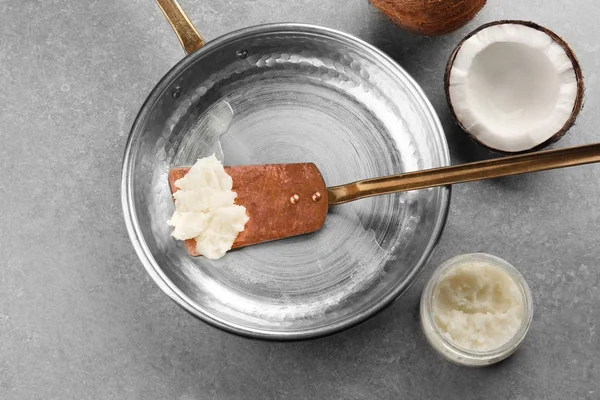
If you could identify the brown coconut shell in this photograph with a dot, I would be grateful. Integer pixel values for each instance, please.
(579, 99)
(430, 17)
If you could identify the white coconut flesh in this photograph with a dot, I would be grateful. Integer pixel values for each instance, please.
(512, 87)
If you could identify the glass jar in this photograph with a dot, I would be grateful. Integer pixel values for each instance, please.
(444, 345)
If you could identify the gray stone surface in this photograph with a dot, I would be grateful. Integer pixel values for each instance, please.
(79, 316)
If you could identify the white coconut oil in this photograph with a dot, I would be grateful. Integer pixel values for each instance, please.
(477, 305)
(205, 209)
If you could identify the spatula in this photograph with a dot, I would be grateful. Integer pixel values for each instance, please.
(284, 200)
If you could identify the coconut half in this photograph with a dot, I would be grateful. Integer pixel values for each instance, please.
(514, 86)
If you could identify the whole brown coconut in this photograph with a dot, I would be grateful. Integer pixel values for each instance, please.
(430, 17)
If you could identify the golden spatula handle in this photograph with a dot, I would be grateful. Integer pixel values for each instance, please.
(512, 165)
(186, 32)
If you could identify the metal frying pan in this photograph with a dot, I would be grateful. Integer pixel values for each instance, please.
(284, 93)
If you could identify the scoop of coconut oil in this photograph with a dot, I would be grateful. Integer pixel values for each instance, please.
(477, 306)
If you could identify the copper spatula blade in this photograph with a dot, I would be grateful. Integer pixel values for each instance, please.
(281, 200)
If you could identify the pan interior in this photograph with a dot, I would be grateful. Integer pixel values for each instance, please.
(298, 95)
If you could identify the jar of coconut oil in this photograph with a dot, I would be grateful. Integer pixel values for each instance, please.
(476, 309)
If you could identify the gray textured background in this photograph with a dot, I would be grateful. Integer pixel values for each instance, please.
(80, 318)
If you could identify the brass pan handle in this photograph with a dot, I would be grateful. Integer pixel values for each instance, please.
(505, 166)
(186, 32)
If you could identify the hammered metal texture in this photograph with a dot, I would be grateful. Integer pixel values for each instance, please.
(299, 94)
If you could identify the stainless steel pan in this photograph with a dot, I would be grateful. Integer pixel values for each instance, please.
(294, 93)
